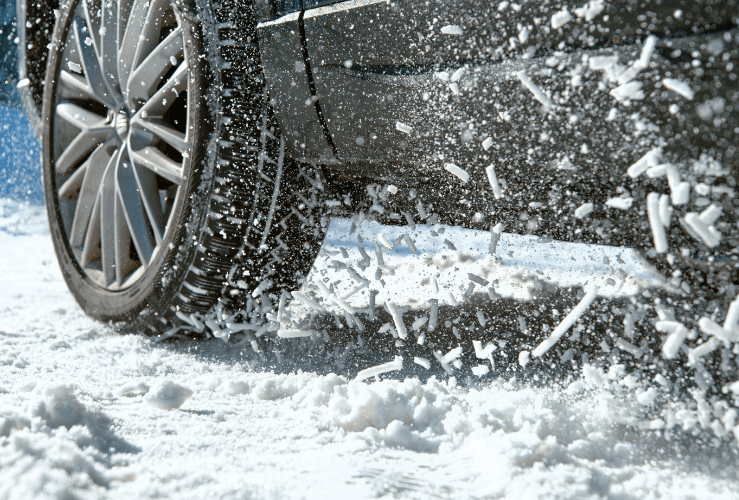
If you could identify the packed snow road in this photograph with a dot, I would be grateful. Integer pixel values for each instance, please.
(88, 413)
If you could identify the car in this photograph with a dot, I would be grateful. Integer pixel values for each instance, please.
(190, 146)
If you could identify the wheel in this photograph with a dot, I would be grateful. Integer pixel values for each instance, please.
(163, 167)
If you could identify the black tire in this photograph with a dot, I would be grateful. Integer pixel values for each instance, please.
(241, 205)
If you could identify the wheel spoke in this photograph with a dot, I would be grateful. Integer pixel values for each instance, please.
(141, 36)
(91, 65)
(171, 136)
(93, 132)
(110, 239)
(72, 186)
(163, 98)
(133, 210)
(159, 163)
(76, 87)
(109, 44)
(150, 73)
(146, 182)
(95, 167)
(92, 244)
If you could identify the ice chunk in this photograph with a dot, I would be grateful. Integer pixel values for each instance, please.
(297, 333)
(523, 358)
(168, 395)
(398, 319)
(658, 229)
(483, 353)
(452, 168)
(697, 228)
(677, 334)
(650, 159)
(602, 62)
(385, 242)
(423, 362)
(590, 10)
(561, 18)
(480, 370)
(493, 179)
(628, 91)
(403, 127)
(694, 355)
(452, 29)
(584, 210)
(539, 95)
(621, 203)
(396, 364)
(679, 87)
(665, 210)
(567, 322)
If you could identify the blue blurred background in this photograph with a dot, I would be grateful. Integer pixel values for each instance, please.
(20, 153)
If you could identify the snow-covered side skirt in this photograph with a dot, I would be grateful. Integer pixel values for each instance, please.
(360, 266)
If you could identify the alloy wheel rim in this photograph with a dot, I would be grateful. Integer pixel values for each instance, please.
(120, 135)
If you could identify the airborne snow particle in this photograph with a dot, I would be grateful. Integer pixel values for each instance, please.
(168, 395)
(480, 370)
(398, 319)
(452, 168)
(560, 19)
(493, 179)
(423, 362)
(23, 83)
(584, 210)
(621, 203)
(590, 10)
(628, 91)
(403, 127)
(523, 358)
(396, 364)
(658, 229)
(539, 95)
(452, 29)
(679, 87)
(567, 322)
(487, 144)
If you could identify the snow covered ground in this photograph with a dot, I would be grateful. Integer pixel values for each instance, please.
(88, 413)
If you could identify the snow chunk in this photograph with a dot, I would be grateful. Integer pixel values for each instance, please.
(384, 241)
(168, 395)
(658, 229)
(523, 358)
(403, 127)
(296, 333)
(452, 29)
(452, 168)
(628, 91)
(396, 364)
(602, 62)
(539, 95)
(132, 389)
(398, 319)
(487, 144)
(677, 334)
(493, 179)
(700, 230)
(679, 87)
(621, 203)
(561, 18)
(480, 370)
(567, 322)
(590, 10)
(584, 210)
(25, 82)
(650, 159)
(423, 362)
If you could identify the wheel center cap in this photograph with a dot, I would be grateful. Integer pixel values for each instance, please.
(121, 123)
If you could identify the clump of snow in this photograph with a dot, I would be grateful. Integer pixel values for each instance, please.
(452, 29)
(561, 18)
(679, 87)
(168, 395)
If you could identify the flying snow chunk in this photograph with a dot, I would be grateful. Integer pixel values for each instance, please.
(590, 10)
(480, 370)
(584, 210)
(487, 144)
(396, 364)
(679, 87)
(628, 91)
(539, 95)
(23, 83)
(602, 62)
(560, 19)
(621, 203)
(452, 29)
(452, 168)
(403, 127)
(74, 67)
(168, 395)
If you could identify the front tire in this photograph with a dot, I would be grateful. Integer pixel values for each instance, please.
(163, 168)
